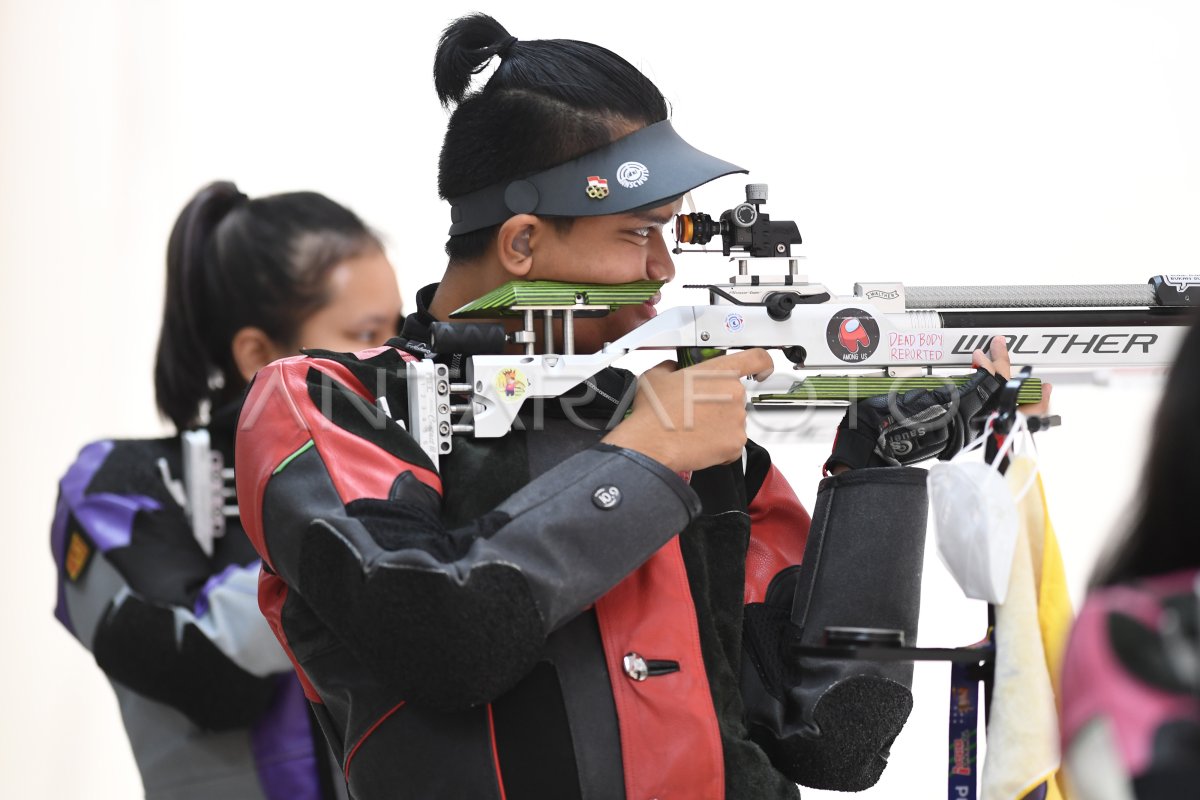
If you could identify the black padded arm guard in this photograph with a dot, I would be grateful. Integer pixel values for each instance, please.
(829, 723)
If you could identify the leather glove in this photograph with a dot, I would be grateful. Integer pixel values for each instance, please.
(897, 430)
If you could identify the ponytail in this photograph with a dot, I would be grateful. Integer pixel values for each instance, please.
(233, 263)
(184, 368)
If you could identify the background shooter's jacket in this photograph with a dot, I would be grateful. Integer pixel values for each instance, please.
(209, 701)
(500, 627)
(1131, 692)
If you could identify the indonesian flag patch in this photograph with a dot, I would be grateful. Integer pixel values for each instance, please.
(597, 187)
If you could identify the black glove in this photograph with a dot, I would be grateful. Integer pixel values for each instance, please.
(891, 431)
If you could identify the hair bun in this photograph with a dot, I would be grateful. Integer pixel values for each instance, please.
(466, 46)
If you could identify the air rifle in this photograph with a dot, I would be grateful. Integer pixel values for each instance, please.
(886, 336)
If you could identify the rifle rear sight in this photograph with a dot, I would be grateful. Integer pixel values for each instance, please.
(744, 227)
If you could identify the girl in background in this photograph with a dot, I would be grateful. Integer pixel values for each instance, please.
(1131, 674)
(156, 576)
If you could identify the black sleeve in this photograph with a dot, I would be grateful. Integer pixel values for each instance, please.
(453, 618)
(142, 595)
(138, 645)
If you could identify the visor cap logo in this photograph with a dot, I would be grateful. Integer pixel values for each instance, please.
(632, 174)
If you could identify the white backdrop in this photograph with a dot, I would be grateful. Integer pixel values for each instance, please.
(927, 142)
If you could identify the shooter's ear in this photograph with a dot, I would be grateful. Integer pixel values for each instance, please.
(515, 252)
(253, 350)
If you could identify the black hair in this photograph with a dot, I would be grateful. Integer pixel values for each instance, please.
(1163, 536)
(233, 262)
(548, 101)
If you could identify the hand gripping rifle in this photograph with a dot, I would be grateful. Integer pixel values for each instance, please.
(886, 335)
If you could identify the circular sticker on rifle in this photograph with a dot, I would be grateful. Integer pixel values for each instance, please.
(734, 323)
(511, 384)
(853, 335)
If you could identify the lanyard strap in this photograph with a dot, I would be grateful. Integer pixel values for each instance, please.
(963, 772)
(963, 776)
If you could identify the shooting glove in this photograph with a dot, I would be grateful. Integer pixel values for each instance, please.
(898, 430)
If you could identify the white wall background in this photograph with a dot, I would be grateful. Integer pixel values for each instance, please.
(928, 142)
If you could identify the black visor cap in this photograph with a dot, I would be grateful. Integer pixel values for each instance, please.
(645, 169)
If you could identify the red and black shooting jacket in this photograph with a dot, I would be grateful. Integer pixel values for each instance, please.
(537, 616)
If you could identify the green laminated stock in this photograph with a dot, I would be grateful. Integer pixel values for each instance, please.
(690, 356)
(515, 296)
(856, 387)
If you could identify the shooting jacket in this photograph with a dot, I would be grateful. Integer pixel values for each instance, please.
(209, 700)
(1130, 703)
(539, 615)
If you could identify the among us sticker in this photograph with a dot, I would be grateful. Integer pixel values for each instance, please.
(852, 335)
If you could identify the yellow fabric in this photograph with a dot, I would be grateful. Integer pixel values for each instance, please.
(1055, 615)
(1031, 632)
